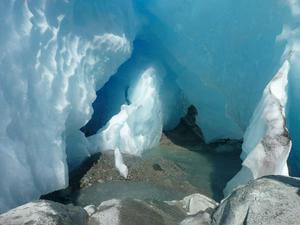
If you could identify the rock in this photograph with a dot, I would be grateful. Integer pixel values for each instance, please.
(226, 146)
(136, 212)
(195, 203)
(44, 213)
(106, 213)
(272, 200)
(195, 209)
(141, 212)
(90, 209)
(203, 218)
(161, 172)
(157, 167)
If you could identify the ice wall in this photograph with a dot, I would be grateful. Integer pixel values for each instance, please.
(223, 52)
(291, 36)
(54, 55)
(267, 143)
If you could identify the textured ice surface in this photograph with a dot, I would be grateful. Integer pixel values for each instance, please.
(267, 143)
(54, 55)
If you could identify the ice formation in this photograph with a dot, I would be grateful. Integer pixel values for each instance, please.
(267, 143)
(138, 126)
(216, 48)
(291, 34)
(55, 55)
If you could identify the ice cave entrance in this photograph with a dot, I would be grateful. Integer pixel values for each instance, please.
(159, 68)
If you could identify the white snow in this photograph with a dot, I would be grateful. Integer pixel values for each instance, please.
(267, 144)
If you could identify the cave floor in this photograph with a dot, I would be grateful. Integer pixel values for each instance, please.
(181, 165)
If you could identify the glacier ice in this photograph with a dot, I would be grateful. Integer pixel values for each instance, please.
(225, 54)
(116, 91)
(215, 48)
(144, 101)
(138, 126)
(267, 143)
(291, 35)
(55, 55)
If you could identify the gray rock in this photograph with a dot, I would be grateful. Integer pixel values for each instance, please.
(272, 200)
(198, 209)
(203, 218)
(195, 203)
(193, 209)
(90, 209)
(136, 212)
(44, 213)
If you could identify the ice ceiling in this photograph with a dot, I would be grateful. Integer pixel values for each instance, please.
(148, 61)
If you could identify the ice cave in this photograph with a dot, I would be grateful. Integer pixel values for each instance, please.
(206, 90)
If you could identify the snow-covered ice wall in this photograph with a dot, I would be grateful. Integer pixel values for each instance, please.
(291, 35)
(267, 143)
(54, 55)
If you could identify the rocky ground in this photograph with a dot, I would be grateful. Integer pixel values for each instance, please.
(182, 165)
(164, 173)
(270, 200)
(151, 194)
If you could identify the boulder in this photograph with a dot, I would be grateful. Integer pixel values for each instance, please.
(44, 213)
(271, 200)
(189, 211)
(135, 212)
